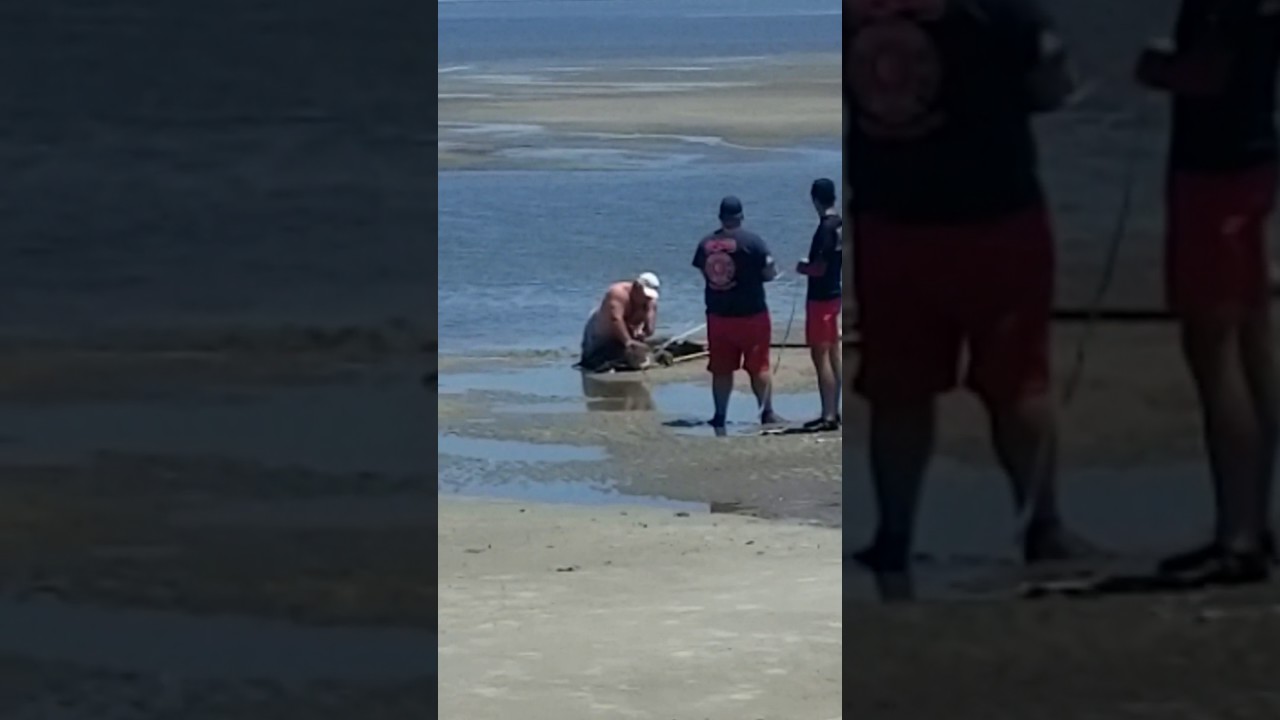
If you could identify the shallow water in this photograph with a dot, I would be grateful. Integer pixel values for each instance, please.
(534, 289)
(247, 163)
(510, 451)
(557, 389)
(181, 646)
(568, 493)
(364, 427)
(967, 544)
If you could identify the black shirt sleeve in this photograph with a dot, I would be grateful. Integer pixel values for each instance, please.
(830, 238)
(760, 249)
(699, 257)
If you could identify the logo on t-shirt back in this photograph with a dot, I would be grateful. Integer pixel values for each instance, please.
(895, 68)
(720, 268)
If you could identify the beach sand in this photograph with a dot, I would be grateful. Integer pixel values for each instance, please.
(1198, 655)
(555, 612)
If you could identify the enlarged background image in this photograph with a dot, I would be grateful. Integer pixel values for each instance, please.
(217, 224)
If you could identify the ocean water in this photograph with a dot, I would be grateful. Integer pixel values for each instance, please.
(488, 31)
(525, 254)
(239, 163)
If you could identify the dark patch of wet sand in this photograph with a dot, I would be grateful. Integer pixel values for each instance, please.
(190, 535)
(793, 477)
(1138, 658)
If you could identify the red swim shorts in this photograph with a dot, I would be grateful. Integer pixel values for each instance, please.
(739, 343)
(926, 293)
(1215, 240)
(822, 322)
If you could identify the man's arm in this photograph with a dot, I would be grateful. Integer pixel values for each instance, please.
(769, 269)
(1048, 80)
(1051, 83)
(1203, 66)
(828, 242)
(617, 309)
(651, 321)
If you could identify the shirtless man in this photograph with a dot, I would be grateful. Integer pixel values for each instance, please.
(1221, 72)
(616, 331)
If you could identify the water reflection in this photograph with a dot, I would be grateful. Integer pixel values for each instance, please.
(616, 394)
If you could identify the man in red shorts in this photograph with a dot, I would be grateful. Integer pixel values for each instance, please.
(953, 247)
(824, 268)
(1222, 72)
(735, 264)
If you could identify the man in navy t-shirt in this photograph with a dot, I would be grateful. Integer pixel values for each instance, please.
(954, 252)
(824, 267)
(1221, 72)
(735, 265)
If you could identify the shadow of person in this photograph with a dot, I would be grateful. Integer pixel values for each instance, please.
(892, 585)
(895, 587)
(616, 393)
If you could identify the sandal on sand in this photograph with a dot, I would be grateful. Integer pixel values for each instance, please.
(878, 559)
(1231, 570)
(822, 425)
(1208, 553)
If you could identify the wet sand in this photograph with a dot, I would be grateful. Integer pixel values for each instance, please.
(1143, 659)
(628, 422)
(243, 500)
(752, 104)
(1130, 447)
(635, 612)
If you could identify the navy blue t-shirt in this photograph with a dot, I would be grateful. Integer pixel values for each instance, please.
(733, 264)
(939, 107)
(827, 247)
(1235, 130)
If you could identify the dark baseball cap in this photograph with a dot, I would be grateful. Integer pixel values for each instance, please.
(823, 191)
(730, 208)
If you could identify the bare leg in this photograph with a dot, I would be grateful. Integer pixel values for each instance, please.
(902, 439)
(1257, 356)
(762, 386)
(1024, 433)
(1231, 429)
(721, 390)
(828, 381)
(837, 369)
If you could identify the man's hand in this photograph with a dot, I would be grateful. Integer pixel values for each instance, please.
(1202, 72)
(1051, 84)
(770, 271)
(1152, 70)
(802, 267)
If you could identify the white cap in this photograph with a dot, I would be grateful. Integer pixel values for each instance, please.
(649, 283)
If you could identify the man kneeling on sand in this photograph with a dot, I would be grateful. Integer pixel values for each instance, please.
(615, 334)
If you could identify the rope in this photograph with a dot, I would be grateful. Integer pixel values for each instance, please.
(786, 335)
(1118, 234)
